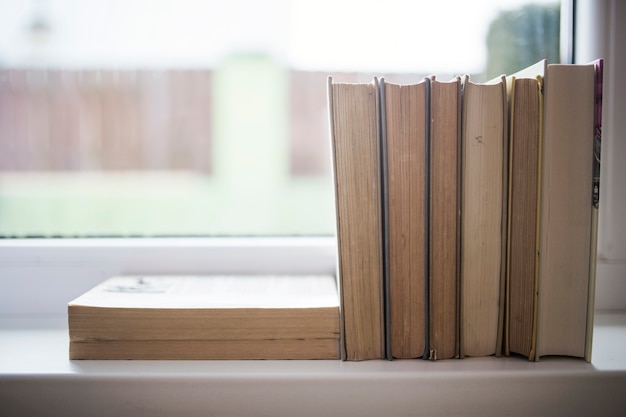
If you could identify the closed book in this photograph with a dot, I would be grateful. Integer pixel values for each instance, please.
(354, 112)
(444, 215)
(566, 210)
(525, 105)
(483, 217)
(405, 127)
(206, 317)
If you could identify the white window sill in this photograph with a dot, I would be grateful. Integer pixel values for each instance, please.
(37, 378)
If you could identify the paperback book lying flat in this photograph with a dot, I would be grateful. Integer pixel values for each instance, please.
(207, 317)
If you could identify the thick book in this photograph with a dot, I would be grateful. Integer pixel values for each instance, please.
(354, 113)
(525, 119)
(483, 217)
(444, 213)
(405, 126)
(207, 317)
(566, 210)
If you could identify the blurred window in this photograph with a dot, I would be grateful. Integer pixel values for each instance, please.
(192, 117)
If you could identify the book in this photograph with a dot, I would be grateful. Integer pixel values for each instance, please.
(483, 217)
(525, 115)
(354, 114)
(566, 188)
(207, 317)
(405, 124)
(444, 214)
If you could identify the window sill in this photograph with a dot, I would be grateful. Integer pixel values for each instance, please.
(37, 378)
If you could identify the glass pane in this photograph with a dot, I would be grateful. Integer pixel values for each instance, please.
(192, 117)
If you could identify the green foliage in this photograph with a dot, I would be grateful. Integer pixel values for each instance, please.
(519, 38)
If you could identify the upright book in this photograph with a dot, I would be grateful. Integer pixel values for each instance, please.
(207, 317)
(405, 126)
(483, 217)
(444, 210)
(354, 111)
(566, 210)
(525, 117)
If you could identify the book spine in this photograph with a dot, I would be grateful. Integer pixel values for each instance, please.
(533, 344)
(459, 159)
(595, 202)
(507, 302)
(385, 214)
(462, 151)
(427, 180)
(504, 222)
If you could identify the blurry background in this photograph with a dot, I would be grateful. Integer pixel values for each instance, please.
(191, 117)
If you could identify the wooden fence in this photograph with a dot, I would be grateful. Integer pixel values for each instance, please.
(64, 120)
(105, 120)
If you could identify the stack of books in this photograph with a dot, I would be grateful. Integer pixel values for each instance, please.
(467, 213)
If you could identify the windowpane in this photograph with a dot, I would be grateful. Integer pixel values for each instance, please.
(191, 117)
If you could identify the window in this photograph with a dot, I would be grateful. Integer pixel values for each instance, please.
(198, 118)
